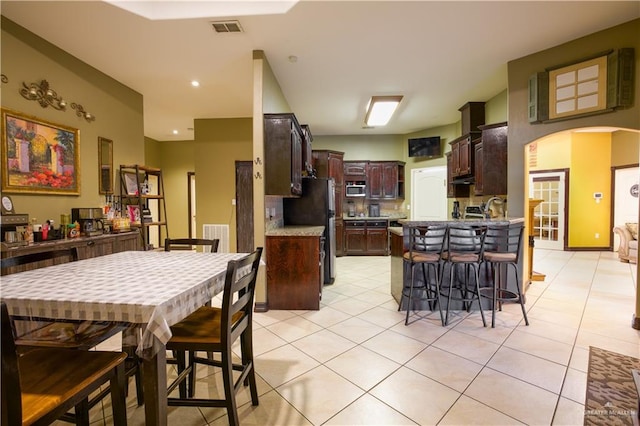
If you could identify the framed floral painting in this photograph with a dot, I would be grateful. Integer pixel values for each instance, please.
(39, 157)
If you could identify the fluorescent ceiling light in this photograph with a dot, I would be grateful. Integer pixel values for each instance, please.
(165, 10)
(380, 110)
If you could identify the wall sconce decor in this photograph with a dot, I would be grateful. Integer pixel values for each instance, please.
(44, 94)
(5, 79)
(80, 112)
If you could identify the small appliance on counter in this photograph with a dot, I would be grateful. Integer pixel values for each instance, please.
(12, 224)
(374, 210)
(351, 212)
(455, 214)
(474, 212)
(90, 220)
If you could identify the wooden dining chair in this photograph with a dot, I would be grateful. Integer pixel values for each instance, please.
(211, 329)
(41, 385)
(208, 245)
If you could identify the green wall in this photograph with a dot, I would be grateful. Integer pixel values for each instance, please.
(28, 58)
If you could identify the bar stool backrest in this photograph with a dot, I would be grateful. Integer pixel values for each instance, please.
(427, 238)
(466, 239)
(504, 239)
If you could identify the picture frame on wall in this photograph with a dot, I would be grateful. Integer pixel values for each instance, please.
(131, 184)
(39, 157)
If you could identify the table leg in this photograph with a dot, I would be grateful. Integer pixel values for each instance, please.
(154, 376)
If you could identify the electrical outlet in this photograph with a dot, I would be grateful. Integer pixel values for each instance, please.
(597, 235)
(266, 212)
(273, 211)
(233, 201)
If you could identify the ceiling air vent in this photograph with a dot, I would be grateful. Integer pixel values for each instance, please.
(227, 26)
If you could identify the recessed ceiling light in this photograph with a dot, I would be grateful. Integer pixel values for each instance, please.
(175, 132)
(195, 83)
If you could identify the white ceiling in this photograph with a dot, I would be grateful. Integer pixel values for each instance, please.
(439, 55)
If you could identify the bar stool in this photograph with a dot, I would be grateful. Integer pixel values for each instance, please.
(501, 250)
(425, 249)
(465, 245)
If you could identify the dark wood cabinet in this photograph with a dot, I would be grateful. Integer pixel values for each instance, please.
(87, 247)
(363, 237)
(374, 180)
(330, 164)
(479, 180)
(294, 272)
(492, 167)
(283, 155)
(339, 236)
(385, 180)
(472, 116)
(454, 191)
(462, 155)
(307, 156)
(355, 171)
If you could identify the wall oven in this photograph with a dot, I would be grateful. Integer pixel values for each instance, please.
(355, 189)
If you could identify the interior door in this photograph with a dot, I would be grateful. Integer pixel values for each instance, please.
(429, 193)
(625, 203)
(549, 216)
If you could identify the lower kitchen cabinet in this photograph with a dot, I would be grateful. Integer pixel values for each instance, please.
(366, 237)
(339, 237)
(294, 272)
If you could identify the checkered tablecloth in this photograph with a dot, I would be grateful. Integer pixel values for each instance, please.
(152, 289)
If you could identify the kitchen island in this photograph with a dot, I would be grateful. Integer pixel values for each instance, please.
(401, 274)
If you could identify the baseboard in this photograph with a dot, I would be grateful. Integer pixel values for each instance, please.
(261, 307)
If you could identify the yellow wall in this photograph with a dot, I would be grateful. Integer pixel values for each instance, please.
(586, 217)
(219, 144)
(118, 110)
(550, 153)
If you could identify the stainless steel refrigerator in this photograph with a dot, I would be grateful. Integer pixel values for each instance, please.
(316, 206)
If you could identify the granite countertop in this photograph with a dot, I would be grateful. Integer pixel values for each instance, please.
(397, 230)
(296, 231)
(386, 217)
(473, 221)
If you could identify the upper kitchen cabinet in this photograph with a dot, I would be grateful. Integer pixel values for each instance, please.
(307, 158)
(283, 155)
(385, 180)
(472, 116)
(454, 191)
(355, 171)
(462, 155)
(491, 167)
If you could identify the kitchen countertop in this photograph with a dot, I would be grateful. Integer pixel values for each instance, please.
(386, 217)
(473, 221)
(296, 231)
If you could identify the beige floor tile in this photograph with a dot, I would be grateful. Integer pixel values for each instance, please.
(568, 413)
(382, 317)
(612, 329)
(356, 329)
(323, 345)
(319, 394)
(422, 330)
(410, 393)
(326, 317)
(394, 346)
(540, 346)
(525, 402)
(467, 346)
(376, 298)
(586, 339)
(551, 331)
(273, 410)
(467, 411)
(495, 335)
(265, 341)
(293, 328)
(283, 364)
(563, 318)
(528, 368)
(363, 367)
(366, 411)
(575, 386)
(446, 368)
(270, 317)
(352, 306)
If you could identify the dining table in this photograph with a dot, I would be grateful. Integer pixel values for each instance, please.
(149, 290)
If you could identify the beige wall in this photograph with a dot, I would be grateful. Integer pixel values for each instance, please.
(118, 111)
(219, 144)
(177, 159)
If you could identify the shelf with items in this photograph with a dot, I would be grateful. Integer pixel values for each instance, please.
(143, 202)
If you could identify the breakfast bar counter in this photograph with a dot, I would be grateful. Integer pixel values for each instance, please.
(400, 273)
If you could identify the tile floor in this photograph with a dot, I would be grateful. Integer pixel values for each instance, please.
(354, 362)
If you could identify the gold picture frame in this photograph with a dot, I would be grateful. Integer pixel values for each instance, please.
(39, 157)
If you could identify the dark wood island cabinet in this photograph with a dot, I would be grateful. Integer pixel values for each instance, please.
(295, 257)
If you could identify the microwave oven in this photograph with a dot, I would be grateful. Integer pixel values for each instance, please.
(353, 189)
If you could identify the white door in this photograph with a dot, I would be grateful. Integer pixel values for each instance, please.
(625, 204)
(548, 219)
(429, 193)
